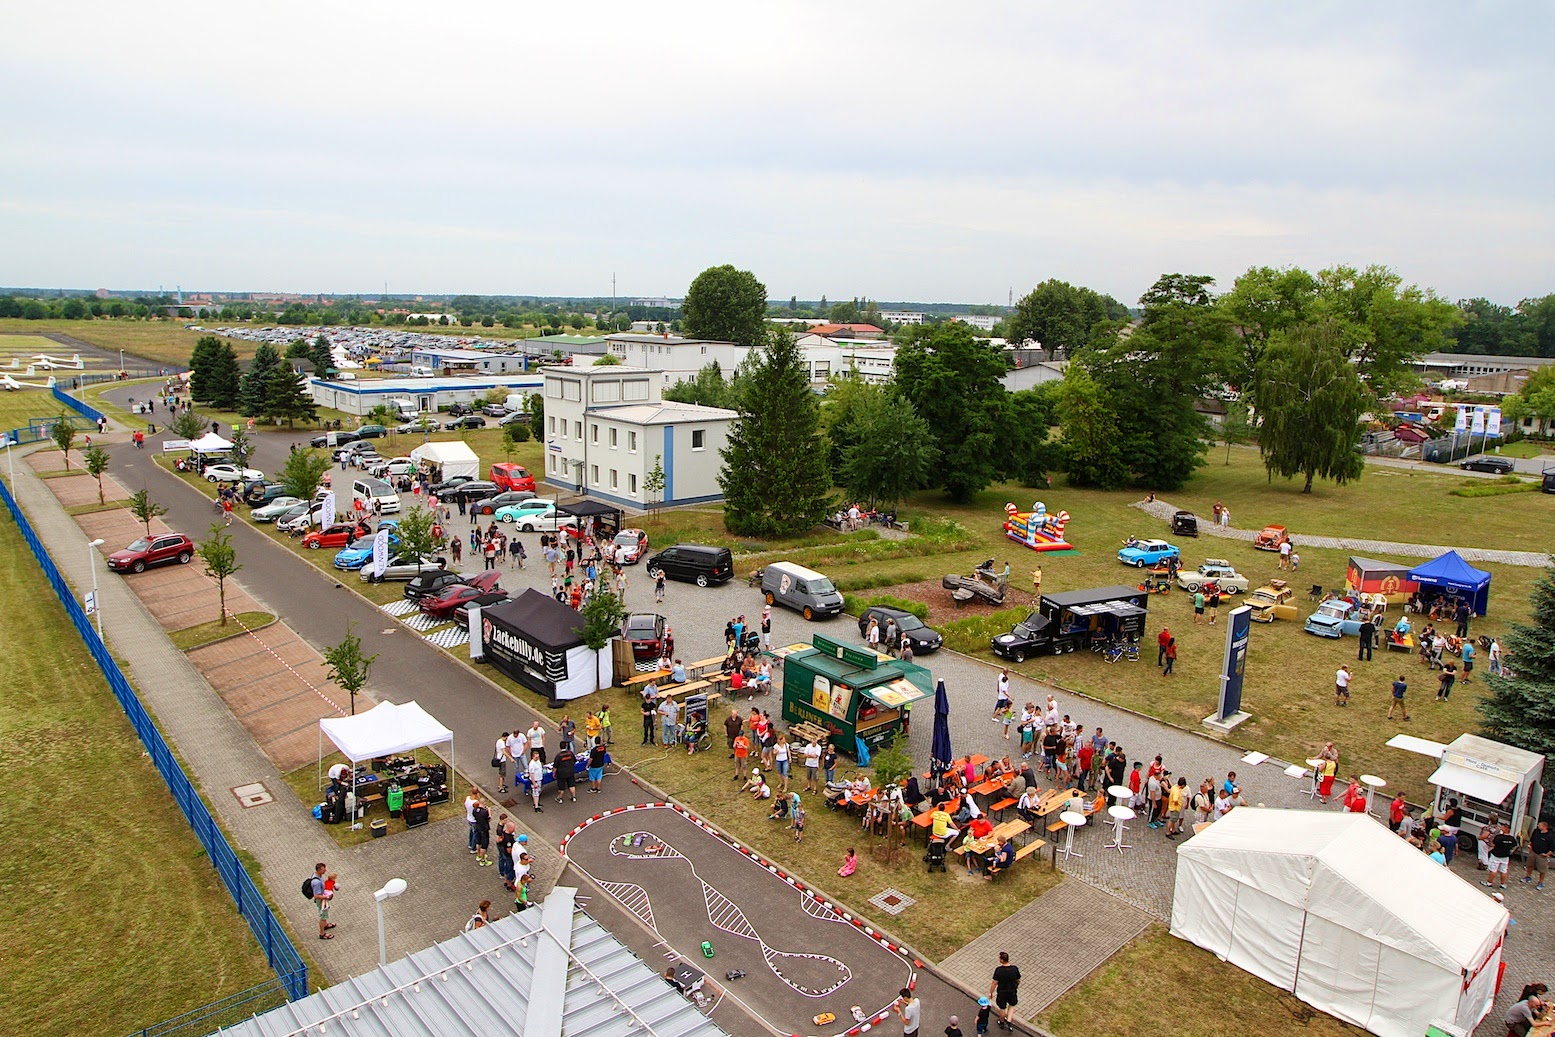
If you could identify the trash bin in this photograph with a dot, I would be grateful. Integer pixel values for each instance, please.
(379, 827)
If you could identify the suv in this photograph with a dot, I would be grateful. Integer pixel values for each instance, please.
(468, 421)
(1498, 465)
(372, 431)
(154, 550)
(698, 563)
(923, 638)
(511, 476)
(650, 635)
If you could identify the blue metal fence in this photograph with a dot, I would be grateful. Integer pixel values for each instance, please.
(76, 405)
(267, 929)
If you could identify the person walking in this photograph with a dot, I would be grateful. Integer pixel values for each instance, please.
(507, 838)
(1001, 700)
(1342, 686)
(766, 627)
(1171, 656)
(499, 760)
(1161, 641)
(1368, 637)
(536, 780)
(1444, 682)
(1467, 654)
(1003, 989)
(1400, 686)
(658, 588)
(321, 900)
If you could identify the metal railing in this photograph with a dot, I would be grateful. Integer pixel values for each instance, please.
(85, 410)
(228, 1011)
(291, 972)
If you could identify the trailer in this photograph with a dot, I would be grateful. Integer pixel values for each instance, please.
(1068, 620)
(851, 693)
(1485, 777)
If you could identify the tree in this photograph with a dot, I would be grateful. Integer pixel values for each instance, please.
(303, 473)
(602, 615)
(1310, 400)
(954, 383)
(726, 304)
(1261, 302)
(892, 451)
(348, 667)
(653, 483)
(1058, 315)
(607, 360)
(287, 398)
(322, 356)
(299, 350)
(1028, 453)
(188, 425)
(144, 508)
(225, 376)
(536, 406)
(708, 389)
(242, 445)
(95, 460)
(775, 478)
(1092, 450)
(1384, 324)
(63, 433)
(200, 387)
(255, 387)
(1520, 709)
(415, 533)
(221, 561)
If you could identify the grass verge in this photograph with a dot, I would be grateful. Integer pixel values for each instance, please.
(208, 633)
(92, 509)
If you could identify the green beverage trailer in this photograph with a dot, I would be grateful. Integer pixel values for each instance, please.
(851, 692)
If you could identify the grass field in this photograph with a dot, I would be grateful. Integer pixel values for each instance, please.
(1527, 448)
(205, 633)
(161, 341)
(1161, 985)
(106, 893)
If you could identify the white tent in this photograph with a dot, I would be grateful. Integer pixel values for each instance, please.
(210, 443)
(449, 459)
(384, 730)
(1343, 913)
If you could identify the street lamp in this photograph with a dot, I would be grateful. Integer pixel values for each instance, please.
(10, 465)
(390, 890)
(121, 361)
(97, 605)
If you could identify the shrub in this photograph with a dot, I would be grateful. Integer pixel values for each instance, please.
(972, 635)
(1484, 488)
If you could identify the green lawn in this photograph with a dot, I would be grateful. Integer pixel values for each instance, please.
(161, 341)
(206, 633)
(1160, 984)
(80, 850)
(1527, 448)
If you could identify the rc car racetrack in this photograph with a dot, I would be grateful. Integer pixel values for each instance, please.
(688, 883)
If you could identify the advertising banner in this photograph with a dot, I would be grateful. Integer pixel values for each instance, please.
(327, 508)
(380, 551)
(1238, 630)
(1478, 425)
(1493, 421)
(1460, 421)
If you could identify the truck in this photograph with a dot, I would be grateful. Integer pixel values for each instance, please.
(1485, 777)
(1068, 620)
(852, 694)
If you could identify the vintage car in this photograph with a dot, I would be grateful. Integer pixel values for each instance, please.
(1214, 571)
(1185, 524)
(1141, 553)
(1271, 602)
(1336, 617)
(1270, 538)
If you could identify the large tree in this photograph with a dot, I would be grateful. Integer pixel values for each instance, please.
(255, 387)
(953, 382)
(1059, 316)
(225, 376)
(726, 304)
(1520, 709)
(303, 473)
(775, 478)
(200, 387)
(286, 398)
(1261, 302)
(1310, 399)
(891, 453)
(1384, 323)
(708, 388)
(322, 356)
(1092, 450)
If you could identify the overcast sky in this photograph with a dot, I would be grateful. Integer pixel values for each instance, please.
(898, 150)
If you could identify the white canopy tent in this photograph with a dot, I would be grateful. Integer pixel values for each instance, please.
(451, 460)
(210, 443)
(386, 729)
(1344, 914)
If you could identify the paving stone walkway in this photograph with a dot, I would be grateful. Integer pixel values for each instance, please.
(1162, 510)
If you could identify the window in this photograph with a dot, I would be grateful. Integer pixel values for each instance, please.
(614, 434)
(607, 392)
(577, 431)
(594, 474)
(698, 439)
(594, 432)
(637, 389)
(631, 483)
(553, 388)
(631, 442)
(613, 480)
(551, 422)
(572, 390)
(704, 350)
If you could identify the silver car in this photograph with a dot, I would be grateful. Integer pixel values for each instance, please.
(402, 567)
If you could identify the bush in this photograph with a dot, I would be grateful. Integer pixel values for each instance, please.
(1484, 488)
(973, 635)
(855, 605)
(867, 580)
(518, 432)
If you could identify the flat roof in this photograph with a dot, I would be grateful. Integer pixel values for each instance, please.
(463, 354)
(382, 386)
(665, 413)
(666, 340)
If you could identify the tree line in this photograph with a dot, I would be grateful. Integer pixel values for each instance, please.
(269, 390)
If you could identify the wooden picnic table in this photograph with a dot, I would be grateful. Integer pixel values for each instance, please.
(989, 786)
(644, 678)
(700, 664)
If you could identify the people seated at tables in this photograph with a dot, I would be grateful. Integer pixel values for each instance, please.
(968, 811)
(736, 681)
(1001, 858)
(942, 794)
(994, 769)
(941, 828)
(1026, 807)
(912, 795)
(730, 664)
(677, 672)
(764, 675)
(967, 771)
(857, 793)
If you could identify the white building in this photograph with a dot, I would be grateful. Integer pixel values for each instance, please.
(985, 323)
(831, 358)
(467, 361)
(607, 428)
(903, 316)
(359, 396)
(675, 358)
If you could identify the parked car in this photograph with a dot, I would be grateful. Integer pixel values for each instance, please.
(1215, 571)
(1032, 636)
(402, 567)
(534, 505)
(630, 545)
(365, 459)
(489, 505)
(346, 451)
(341, 438)
(1498, 465)
(447, 486)
(442, 605)
(549, 521)
(359, 552)
(153, 550)
(372, 431)
(1336, 617)
(274, 510)
(300, 517)
(1270, 538)
(511, 476)
(431, 582)
(513, 418)
(462, 613)
(1141, 553)
(494, 410)
(697, 563)
(1271, 602)
(804, 590)
(423, 423)
(393, 466)
(468, 421)
(923, 638)
(338, 535)
(1185, 524)
(650, 635)
(466, 490)
(257, 493)
(232, 473)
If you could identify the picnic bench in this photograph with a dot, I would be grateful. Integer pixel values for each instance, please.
(701, 664)
(644, 678)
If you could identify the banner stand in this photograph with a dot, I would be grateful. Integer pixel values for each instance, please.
(1229, 714)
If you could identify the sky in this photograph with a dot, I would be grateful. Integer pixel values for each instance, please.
(895, 151)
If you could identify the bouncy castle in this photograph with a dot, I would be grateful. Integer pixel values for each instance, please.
(1037, 529)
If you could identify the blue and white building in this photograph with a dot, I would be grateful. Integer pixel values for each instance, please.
(360, 395)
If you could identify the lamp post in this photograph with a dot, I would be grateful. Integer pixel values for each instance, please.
(9, 464)
(121, 361)
(97, 605)
(390, 890)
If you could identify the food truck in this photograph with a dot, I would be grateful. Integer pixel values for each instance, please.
(852, 693)
(1484, 777)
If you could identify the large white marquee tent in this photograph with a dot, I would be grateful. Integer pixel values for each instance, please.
(385, 730)
(450, 460)
(1343, 913)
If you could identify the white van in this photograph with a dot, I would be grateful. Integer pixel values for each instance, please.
(803, 590)
(517, 402)
(375, 492)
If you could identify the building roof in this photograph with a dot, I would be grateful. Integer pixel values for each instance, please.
(462, 354)
(567, 340)
(541, 617)
(666, 340)
(548, 971)
(852, 329)
(485, 380)
(664, 412)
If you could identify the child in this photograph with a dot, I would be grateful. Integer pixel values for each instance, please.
(329, 886)
(983, 1011)
(798, 823)
(849, 864)
(1008, 719)
(954, 1029)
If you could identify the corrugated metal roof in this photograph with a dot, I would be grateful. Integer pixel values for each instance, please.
(483, 984)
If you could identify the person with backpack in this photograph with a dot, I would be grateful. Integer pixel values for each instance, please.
(313, 888)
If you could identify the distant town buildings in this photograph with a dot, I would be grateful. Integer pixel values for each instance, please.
(976, 321)
(903, 316)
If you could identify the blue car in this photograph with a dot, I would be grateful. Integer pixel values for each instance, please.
(1141, 553)
(1335, 617)
(359, 552)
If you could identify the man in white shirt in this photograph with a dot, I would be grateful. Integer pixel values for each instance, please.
(1342, 686)
(812, 766)
(471, 801)
(536, 780)
(909, 1010)
(536, 735)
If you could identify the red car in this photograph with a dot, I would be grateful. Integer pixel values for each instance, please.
(650, 635)
(339, 535)
(441, 606)
(156, 550)
(512, 476)
(630, 545)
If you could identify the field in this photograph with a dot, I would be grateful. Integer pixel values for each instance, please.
(162, 341)
(93, 834)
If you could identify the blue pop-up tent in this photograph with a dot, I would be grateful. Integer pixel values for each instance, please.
(1450, 574)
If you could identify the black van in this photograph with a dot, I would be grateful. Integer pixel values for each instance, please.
(705, 565)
